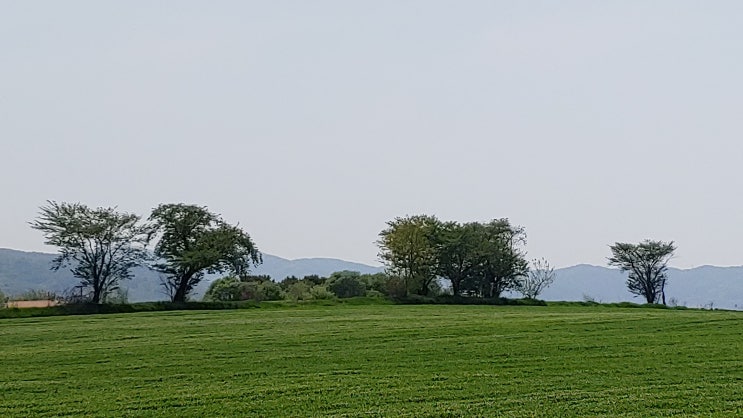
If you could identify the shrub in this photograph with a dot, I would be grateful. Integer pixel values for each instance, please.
(298, 291)
(224, 289)
(346, 285)
(321, 293)
(374, 294)
(377, 281)
(270, 290)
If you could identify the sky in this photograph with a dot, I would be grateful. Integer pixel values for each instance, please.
(312, 124)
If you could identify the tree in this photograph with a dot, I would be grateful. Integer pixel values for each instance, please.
(456, 253)
(194, 241)
(407, 248)
(100, 246)
(540, 276)
(646, 264)
(501, 259)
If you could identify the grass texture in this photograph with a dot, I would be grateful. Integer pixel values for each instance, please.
(376, 360)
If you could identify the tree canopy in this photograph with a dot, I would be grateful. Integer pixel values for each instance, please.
(407, 248)
(647, 265)
(481, 259)
(194, 241)
(100, 246)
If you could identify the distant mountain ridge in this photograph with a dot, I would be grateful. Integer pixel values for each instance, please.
(720, 287)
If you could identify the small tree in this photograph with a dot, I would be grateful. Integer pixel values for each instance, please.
(647, 265)
(100, 246)
(540, 276)
(195, 241)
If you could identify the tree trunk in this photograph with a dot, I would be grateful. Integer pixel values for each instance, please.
(455, 287)
(97, 290)
(182, 290)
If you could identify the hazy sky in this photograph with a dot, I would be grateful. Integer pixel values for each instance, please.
(312, 123)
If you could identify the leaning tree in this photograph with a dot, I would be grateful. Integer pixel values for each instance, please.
(647, 265)
(194, 241)
(100, 246)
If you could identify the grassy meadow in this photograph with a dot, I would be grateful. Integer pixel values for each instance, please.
(376, 360)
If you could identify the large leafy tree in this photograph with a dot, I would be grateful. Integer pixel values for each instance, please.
(407, 248)
(194, 241)
(100, 246)
(647, 265)
(501, 258)
(456, 252)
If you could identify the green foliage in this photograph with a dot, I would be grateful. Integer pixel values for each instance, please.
(478, 259)
(501, 258)
(254, 288)
(100, 246)
(314, 279)
(270, 291)
(320, 292)
(195, 241)
(109, 308)
(647, 265)
(346, 284)
(457, 253)
(374, 294)
(407, 247)
(224, 289)
(375, 282)
(298, 291)
(376, 360)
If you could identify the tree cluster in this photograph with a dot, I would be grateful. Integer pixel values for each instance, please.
(101, 246)
(477, 259)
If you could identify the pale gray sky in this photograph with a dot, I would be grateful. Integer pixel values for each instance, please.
(312, 123)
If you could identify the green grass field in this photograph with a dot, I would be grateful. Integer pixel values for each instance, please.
(376, 360)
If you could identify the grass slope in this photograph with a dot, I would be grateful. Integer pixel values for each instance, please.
(376, 361)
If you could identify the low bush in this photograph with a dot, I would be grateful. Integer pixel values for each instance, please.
(466, 300)
(92, 309)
